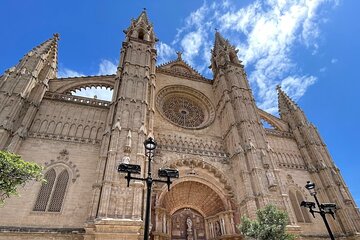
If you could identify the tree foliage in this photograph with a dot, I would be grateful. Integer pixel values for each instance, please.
(270, 224)
(15, 172)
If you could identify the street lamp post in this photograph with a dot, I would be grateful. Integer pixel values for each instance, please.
(324, 208)
(150, 146)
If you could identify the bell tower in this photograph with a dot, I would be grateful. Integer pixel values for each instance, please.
(242, 131)
(115, 206)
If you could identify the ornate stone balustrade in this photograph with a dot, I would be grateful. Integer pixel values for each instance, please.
(77, 99)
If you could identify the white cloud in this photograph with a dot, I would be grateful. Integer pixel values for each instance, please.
(191, 44)
(66, 72)
(107, 67)
(100, 93)
(297, 85)
(266, 34)
(334, 60)
(165, 53)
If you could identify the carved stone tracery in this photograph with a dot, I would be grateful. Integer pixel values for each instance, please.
(183, 111)
(185, 107)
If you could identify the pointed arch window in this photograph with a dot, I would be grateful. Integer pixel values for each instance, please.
(52, 193)
(302, 216)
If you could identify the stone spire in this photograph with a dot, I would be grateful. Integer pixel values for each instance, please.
(141, 28)
(220, 43)
(143, 17)
(48, 47)
(46, 51)
(288, 107)
(22, 88)
(285, 103)
(223, 53)
(39, 64)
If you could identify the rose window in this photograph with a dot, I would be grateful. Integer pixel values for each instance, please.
(183, 111)
(185, 107)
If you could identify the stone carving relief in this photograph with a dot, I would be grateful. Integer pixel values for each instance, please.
(195, 146)
(201, 164)
(181, 69)
(271, 180)
(289, 160)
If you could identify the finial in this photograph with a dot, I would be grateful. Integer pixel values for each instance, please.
(216, 29)
(144, 9)
(56, 36)
(179, 55)
(278, 87)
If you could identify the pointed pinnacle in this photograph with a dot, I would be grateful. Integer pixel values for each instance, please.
(284, 101)
(56, 36)
(45, 46)
(220, 42)
(46, 51)
(143, 17)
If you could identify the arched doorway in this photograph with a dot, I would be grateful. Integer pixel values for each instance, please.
(194, 209)
(187, 223)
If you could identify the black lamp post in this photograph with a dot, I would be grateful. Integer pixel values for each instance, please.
(324, 208)
(150, 146)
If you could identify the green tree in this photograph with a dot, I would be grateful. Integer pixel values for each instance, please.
(270, 224)
(15, 172)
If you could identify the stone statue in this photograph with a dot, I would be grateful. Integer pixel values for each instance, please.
(271, 179)
(217, 228)
(189, 229)
(125, 159)
(189, 224)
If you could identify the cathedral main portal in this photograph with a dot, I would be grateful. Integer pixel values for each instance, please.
(194, 210)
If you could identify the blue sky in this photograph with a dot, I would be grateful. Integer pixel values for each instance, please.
(311, 48)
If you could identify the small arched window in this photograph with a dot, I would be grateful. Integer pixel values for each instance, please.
(302, 216)
(51, 195)
(141, 34)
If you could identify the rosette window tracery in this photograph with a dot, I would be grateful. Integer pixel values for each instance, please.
(183, 111)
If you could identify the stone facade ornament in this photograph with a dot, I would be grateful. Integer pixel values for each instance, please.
(271, 180)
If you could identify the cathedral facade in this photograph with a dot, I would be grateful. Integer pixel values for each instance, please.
(211, 130)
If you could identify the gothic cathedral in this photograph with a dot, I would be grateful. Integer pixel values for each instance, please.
(211, 130)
